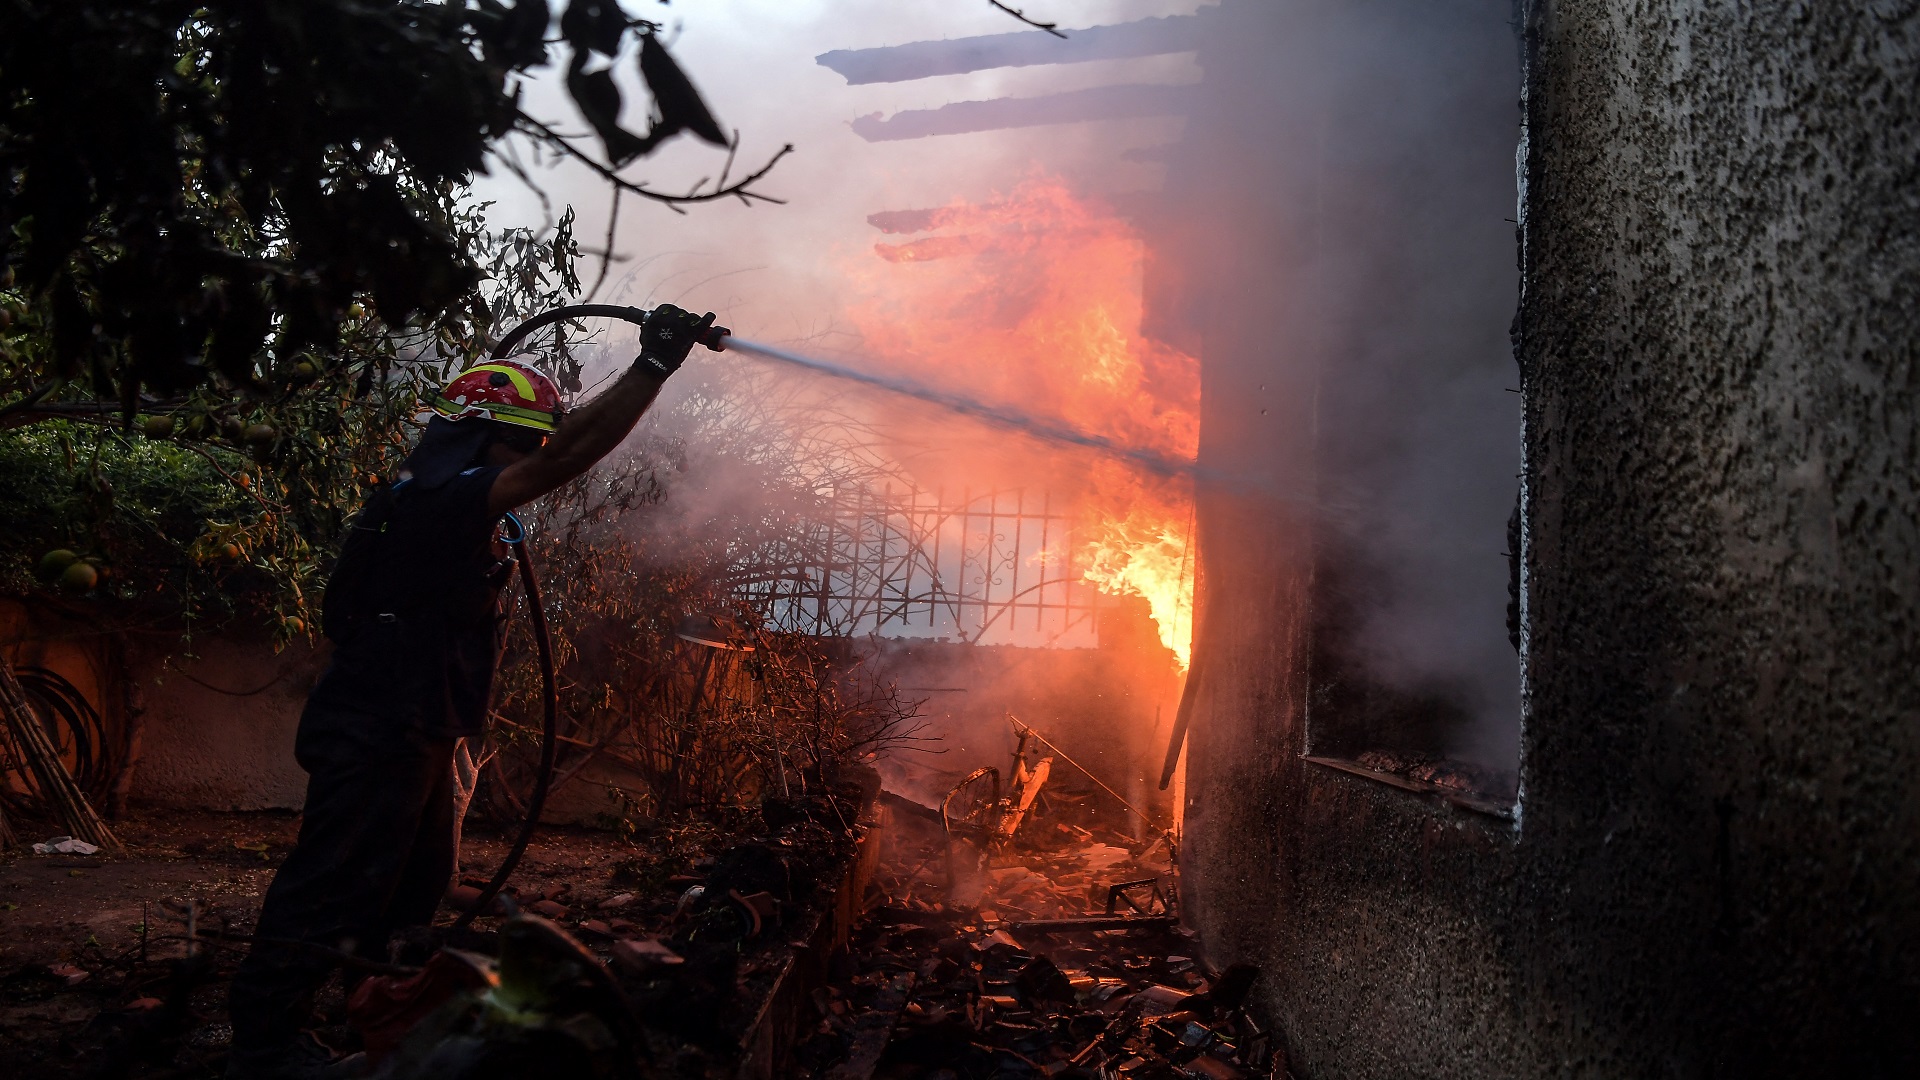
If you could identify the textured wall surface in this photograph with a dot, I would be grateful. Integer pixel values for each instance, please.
(1718, 341)
(217, 731)
(208, 731)
(1716, 866)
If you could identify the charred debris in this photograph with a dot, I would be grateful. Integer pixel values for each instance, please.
(663, 962)
(1057, 951)
(1027, 926)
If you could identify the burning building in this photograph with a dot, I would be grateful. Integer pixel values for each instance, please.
(1537, 361)
(1549, 705)
(1530, 645)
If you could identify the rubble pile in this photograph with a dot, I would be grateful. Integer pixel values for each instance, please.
(1058, 956)
(1058, 953)
(688, 950)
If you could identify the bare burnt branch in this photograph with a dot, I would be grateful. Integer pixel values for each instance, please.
(1051, 28)
(606, 252)
(741, 189)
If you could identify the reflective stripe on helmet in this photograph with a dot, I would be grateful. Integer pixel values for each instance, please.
(522, 384)
(506, 391)
(498, 412)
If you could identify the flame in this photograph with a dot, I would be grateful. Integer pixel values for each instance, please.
(1035, 298)
(1142, 546)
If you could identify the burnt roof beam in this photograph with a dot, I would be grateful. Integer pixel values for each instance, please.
(925, 59)
(1073, 107)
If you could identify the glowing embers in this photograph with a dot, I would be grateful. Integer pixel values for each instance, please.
(1034, 298)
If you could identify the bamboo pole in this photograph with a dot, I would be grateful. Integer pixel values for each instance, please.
(56, 784)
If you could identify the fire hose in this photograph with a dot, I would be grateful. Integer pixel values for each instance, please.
(549, 725)
(637, 316)
(542, 635)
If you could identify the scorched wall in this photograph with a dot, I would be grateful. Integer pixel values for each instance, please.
(1714, 868)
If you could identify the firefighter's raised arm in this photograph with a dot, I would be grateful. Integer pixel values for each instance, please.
(591, 431)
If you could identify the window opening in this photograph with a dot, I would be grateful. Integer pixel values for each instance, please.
(1415, 677)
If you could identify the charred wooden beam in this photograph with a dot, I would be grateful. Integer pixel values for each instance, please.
(1095, 922)
(925, 59)
(1073, 107)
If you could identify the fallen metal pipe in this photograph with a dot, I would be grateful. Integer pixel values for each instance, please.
(1094, 922)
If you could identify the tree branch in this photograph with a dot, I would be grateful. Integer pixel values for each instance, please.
(740, 189)
(1051, 28)
(228, 477)
(606, 256)
(24, 412)
(26, 404)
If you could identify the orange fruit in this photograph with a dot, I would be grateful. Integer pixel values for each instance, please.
(55, 562)
(79, 577)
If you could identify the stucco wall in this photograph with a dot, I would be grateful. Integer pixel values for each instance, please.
(1716, 866)
(207, 726)
(1718, 340)
(217, 731)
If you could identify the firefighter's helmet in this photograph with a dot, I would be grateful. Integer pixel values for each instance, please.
(506, 391)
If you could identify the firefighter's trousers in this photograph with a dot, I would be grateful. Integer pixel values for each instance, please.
(378, 845)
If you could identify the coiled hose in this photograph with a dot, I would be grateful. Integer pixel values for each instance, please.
(75, 727)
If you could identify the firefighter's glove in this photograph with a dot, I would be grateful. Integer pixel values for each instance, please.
(668, 335)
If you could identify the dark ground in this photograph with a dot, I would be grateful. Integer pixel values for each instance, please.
(70, 926)
(940, 979)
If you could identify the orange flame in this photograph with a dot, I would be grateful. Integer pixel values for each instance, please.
(1035, 298)
(1142, 546)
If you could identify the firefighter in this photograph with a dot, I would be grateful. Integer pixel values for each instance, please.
(412, 608)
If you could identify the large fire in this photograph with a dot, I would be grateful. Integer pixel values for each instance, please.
(1035, 299)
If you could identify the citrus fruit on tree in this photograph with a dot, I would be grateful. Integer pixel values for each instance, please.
(79, 577)
(55, 562)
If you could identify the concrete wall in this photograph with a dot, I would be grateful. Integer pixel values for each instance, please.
(206, 727)
(217, 731)
(1715, 867)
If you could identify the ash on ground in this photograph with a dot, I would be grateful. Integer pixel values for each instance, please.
(1059, 955)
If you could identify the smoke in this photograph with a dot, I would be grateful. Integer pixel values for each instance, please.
(1317, 193)
(1346, 253)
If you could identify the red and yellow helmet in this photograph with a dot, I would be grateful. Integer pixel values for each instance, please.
(506, 391)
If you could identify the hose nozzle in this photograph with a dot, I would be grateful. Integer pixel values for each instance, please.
(714, 337)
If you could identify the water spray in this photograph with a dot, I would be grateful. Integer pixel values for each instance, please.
(720, 339)
(1044, 429)
(1002, 416)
